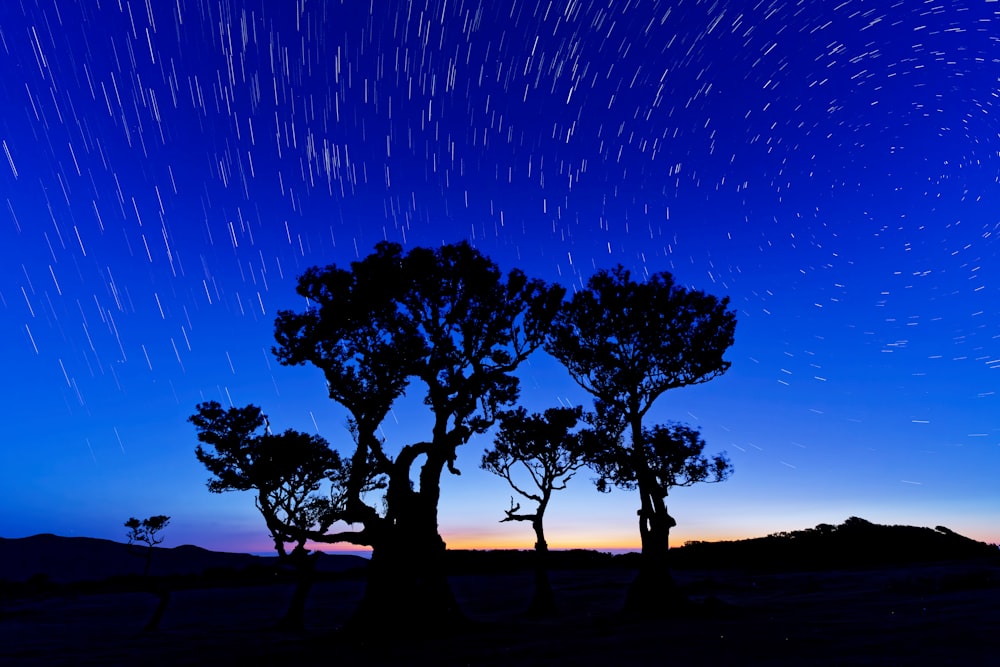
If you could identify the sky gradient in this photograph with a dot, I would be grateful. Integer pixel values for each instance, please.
(170, 168)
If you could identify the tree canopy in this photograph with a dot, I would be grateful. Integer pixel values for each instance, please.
(297, 478)
(627, 342)
(147, 530)
(546, 447)
(447, 318)
(299, 483)
(673, 456)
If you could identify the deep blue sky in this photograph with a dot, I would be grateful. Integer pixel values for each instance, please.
(169, 169)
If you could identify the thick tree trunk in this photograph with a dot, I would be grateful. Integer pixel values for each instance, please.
(408, 592)
(653, 592)
(543, 603)
(305, 574)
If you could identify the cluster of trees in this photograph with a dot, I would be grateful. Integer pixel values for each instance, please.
(449, 321)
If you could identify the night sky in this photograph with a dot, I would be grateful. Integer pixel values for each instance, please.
(170, 167)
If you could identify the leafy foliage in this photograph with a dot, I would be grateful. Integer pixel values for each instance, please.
(287, 471)
(544, 447)
(355, 333)
(627, 342)
(147, 530)
(672, 454)
(444, 316)
(448, 319)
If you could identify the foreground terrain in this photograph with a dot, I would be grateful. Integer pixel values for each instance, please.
(944, 613)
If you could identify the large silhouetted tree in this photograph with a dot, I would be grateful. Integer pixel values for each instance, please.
(627, 342)
(448, 318)
(537, 454)
(297, 479)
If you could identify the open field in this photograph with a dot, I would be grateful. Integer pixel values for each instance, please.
(941, 614)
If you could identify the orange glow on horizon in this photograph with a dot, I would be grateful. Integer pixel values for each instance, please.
(474, 540)
(617, 541)
(488, 542)
(478, 543)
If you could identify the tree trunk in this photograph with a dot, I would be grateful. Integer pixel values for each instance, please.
(653, 592)
(158, 588)
(305, 573)
(408, 593)
(162, 591)
(543, 603)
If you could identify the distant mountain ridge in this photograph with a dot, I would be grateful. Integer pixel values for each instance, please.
(854, 543)
(75, 559)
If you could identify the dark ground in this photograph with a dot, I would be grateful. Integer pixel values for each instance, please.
(939, 614)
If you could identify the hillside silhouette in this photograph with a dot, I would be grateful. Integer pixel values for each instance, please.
(855, 543)
(56, 559)
(824, 596)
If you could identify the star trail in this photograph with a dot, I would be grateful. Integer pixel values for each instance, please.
(170, 168)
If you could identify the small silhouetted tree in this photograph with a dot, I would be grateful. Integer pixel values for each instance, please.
(626, 343)
(147, 531)
(448, 318)
(542, 449)
(297, 479)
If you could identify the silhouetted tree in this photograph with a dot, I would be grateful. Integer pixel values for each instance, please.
(627, 342)
(147, 531)
(448, 318)
(545, 450)
(297, 478)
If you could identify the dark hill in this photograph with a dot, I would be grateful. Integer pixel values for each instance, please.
(856, 543)
(75, 559)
